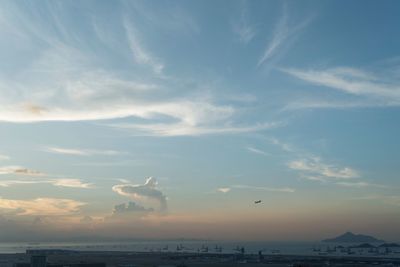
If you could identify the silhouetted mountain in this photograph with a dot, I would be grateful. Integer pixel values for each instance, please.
(364, 245)
(349, 237)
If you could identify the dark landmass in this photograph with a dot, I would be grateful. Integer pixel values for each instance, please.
(390, 245)
(64, 258)
(364, 245)
(349, 237)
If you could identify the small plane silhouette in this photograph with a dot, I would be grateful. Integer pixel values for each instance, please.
(257, 202)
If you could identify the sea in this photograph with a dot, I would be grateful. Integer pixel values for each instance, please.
(185, 246)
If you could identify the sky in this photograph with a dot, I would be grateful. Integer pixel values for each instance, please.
(168, 119)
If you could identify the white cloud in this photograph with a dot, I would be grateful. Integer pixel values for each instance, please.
(70, 182)
(281, 36)
(80, 152)
(183, 116)
(370, 89)
(315, 168)
(359, 184)
(241, 26)
(147, 191)
(64, 182)
(140, 54)
(284, 146)
(7, 183)
(69, 78)
(184, 129)
(263, 188)
(245, 32)
(224, 189)
(18, 170)
(41, 206)
(67, 151)
(281, 33)
(319, 103)
(256, 151)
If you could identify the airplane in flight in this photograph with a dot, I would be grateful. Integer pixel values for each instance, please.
(257, 202)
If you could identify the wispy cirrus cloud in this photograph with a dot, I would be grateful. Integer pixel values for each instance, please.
(265, 188)
(368, 89)
(315, 169)
(256, 151)
(187, 129)
(281, 36)
(256, 188)
(140, 54)
(18, 170)
(359, 184)
(41, 206)
(80, 151)
(72, 78)
(284, 146)
(63, 182)
(241, 25)
(71, 182)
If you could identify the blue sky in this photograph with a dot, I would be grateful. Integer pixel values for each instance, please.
(165, 119)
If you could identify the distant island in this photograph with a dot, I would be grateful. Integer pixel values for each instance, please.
(349, 237)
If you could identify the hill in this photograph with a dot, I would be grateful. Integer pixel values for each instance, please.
(349, 237)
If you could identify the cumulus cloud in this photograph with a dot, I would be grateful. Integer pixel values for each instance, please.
(147, 191)
(41, 206)
(18, 170)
